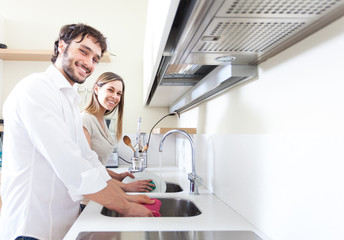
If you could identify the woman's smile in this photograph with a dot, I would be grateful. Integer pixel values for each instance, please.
(112, 103)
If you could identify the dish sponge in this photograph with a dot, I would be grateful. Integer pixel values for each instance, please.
(155, 207)
(152, 186)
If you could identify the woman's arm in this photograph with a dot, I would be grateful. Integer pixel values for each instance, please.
(88, 136)
(120, 176)
(137, 186)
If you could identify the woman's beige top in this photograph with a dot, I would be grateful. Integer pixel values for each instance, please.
(101, 142)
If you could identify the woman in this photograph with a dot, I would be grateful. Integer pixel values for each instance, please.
(107, 97)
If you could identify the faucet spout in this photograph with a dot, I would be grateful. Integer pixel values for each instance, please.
(194, 179)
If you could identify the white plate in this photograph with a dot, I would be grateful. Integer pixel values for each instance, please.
(160, 184)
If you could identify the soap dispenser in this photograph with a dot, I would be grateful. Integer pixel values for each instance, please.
(113, 161)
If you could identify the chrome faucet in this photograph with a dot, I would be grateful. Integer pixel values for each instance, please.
(194, 179)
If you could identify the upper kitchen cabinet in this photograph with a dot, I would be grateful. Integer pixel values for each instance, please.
(34, 55)
(199, 48)
(160, 16)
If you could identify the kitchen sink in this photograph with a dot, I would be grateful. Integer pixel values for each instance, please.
(173, 187)
(170, 207)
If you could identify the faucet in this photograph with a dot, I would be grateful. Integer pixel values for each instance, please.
(194, 179)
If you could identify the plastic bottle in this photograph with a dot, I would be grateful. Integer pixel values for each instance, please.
(0, 149)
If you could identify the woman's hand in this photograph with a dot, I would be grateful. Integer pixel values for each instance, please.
(124, 175)
(139, 186)
(119, 176)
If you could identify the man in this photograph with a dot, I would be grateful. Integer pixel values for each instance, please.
(47, 163)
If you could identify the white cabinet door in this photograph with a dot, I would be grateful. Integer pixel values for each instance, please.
(160, 16)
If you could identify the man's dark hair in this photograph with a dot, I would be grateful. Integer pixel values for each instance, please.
(72, 31)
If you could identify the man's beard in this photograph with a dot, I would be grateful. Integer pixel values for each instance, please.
(67, 66)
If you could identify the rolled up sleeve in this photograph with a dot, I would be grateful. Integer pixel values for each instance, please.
(92, 181)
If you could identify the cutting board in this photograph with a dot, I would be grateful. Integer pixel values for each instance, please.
(165, 130)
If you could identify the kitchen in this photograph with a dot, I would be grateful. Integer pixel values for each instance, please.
(274, 140)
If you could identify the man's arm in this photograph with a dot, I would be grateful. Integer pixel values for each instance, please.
(113, 197)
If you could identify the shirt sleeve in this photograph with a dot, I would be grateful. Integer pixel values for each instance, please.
(92, 179)
(51, 131)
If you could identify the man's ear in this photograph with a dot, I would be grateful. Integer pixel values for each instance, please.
(62, 46)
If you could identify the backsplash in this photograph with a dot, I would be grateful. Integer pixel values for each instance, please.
(168, 155)
(278, 182)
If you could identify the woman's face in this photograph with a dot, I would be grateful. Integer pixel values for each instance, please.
(109, 95)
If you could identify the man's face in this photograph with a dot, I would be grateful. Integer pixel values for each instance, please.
(78, 59)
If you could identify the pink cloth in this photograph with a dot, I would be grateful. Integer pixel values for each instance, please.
(155, 207)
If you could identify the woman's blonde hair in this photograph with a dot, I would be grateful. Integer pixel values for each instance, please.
(94, 105)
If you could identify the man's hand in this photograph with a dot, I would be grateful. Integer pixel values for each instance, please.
(113, 197)
(137, 210)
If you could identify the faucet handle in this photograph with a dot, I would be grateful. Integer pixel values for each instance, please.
(195, 178)
(195, 181)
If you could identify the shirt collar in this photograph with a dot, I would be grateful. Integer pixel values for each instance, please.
(62, 84)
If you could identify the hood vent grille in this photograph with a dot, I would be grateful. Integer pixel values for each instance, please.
(241, 36)
(285, 8)
(250, 30)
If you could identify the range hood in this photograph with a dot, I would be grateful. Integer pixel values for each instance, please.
(211, 37)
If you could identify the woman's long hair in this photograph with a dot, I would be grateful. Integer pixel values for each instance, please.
(94, 106)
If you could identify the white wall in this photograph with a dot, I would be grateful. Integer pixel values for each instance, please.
(273, 148)
(1, 41)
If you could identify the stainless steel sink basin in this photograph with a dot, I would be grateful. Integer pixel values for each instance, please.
(178, 207)
(170, 207)
(173, 187)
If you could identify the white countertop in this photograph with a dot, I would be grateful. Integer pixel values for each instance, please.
(216, 215)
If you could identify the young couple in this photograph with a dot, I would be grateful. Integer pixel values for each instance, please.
(48, 166)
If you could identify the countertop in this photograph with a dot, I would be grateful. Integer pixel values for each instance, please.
(216, 215)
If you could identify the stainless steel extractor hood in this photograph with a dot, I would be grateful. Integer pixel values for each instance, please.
(209, 34)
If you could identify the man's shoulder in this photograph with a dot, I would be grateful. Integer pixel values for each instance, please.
(37, 80)
(35, 87)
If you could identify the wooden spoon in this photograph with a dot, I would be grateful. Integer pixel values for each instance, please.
(127, 142)
(145, 148)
